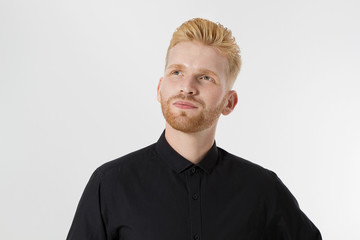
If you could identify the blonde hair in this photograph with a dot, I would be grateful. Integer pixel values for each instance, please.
(211, 34)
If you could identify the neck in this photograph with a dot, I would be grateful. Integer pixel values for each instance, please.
(192, 146)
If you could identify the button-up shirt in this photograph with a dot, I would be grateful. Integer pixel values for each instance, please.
(156, 194)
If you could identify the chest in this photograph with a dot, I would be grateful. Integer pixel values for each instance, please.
(188, 206)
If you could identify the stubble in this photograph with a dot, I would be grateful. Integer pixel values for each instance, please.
(183, 121)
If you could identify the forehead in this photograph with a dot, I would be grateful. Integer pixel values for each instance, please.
(195, 55)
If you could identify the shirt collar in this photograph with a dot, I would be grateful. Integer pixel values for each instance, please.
(178, 163)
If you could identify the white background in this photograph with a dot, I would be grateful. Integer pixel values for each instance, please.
(78, 88)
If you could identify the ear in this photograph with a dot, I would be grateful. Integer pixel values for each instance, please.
(231, 102)
(158, 90)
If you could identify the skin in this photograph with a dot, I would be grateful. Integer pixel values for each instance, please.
(194, 92)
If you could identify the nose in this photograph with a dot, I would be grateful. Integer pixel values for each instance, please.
(188, 86)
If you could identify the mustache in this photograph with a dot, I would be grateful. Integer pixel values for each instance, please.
(186, 98)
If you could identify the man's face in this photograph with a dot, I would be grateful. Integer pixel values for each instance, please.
(193, 92)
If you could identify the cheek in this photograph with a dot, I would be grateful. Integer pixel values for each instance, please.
(217, 98)
(166, 90)
(163, 96)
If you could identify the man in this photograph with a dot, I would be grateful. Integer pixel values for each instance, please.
(184, 186)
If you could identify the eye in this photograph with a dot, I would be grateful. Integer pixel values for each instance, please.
(207, 78)
(176, 72)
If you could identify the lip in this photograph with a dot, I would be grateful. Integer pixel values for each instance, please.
(184, 105)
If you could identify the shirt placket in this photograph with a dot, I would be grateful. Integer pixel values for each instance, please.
(193, 177)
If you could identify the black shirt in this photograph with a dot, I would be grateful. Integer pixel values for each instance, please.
(156, 194)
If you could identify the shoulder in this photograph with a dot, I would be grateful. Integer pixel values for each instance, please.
(243, 166)
(245, 171)
(139, 159)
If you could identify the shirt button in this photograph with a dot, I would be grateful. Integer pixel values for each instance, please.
(193, 170)
(195, 196)
(196, 237)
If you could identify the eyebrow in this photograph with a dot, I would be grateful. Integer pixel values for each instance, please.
(208, 72)
(202, 70)
(177, 66)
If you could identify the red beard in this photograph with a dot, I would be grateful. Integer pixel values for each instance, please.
(187, 123)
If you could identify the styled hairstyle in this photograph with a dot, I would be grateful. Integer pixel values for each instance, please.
(211, 34)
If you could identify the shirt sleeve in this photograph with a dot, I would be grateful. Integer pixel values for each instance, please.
(287, 221)
(88, 222)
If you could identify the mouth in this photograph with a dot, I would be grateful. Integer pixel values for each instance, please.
(184, 105)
